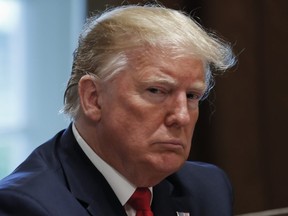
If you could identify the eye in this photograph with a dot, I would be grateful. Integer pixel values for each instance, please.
(156, 90)
(193, 96)
(156, 94)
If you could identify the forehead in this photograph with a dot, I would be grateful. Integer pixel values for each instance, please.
(153, 64)
(159, 56)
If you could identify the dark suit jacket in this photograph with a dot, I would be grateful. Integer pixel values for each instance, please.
(58, 179)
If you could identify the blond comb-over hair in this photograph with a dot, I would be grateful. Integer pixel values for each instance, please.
(108, 37)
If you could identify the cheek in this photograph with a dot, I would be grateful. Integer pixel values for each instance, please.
(133, 108)
(124, 121)
(135, 129)
(194, 116)
(193, 120)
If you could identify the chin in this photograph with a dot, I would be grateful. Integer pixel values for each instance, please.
(169, 166)
(157, 171)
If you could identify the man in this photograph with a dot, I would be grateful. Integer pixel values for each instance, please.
(138, 75)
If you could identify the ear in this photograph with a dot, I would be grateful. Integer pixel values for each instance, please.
(88, 90)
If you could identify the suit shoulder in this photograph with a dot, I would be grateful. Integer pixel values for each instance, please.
(42, 166)
(200, 168)
(205, 187)
(202, 177)
(26, 186)
(17, 203)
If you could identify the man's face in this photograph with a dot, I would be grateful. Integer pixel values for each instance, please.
(148, 115)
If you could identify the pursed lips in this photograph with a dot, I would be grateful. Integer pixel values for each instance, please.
(170, 143)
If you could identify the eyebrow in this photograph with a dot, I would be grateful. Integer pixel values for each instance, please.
(160, 79)
(199, 86)
(165, 79)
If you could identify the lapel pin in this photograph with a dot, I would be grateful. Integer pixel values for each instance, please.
(183, 214)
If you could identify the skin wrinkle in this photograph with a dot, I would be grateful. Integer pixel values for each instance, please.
(141, 58)
(108, 36)
(137, 126)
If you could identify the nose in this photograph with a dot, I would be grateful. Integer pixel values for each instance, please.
(178, 112)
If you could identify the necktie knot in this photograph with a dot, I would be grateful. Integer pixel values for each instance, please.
(140, 201)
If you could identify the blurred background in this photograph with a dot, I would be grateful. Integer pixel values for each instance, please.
(242, 126)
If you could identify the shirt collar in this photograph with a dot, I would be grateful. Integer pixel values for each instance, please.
(120, 185)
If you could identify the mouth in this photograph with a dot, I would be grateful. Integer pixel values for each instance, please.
(170, 144)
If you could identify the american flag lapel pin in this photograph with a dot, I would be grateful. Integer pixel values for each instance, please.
(183, 213)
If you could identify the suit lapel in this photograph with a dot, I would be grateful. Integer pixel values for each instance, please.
(162, 201)
(84, 181)
(167, 200)
(94, 193)
(106, 207)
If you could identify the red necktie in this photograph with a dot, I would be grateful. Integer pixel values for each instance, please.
(140, 201)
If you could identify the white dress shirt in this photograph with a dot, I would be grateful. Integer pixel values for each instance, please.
(120, 185)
